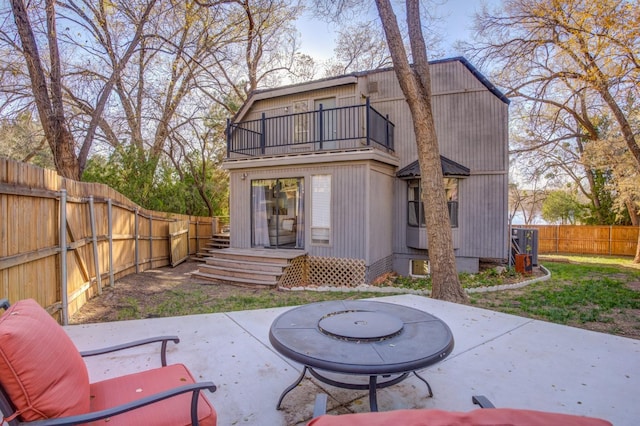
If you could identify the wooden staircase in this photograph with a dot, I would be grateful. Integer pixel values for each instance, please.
(216, 242)
(260, 268)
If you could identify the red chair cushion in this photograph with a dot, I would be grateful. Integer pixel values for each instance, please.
(480, 417)
(40, 368)
(174, 411)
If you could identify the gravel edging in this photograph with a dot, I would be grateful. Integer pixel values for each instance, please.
(375, 289)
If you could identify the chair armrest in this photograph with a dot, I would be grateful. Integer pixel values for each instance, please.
(163, 352)
(482, 401)
(110, 412)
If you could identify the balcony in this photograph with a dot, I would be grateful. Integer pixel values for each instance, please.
(342, 128)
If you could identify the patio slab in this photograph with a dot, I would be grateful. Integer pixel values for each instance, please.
(516, 362)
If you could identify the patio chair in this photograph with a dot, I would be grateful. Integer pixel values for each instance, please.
(487, 416)
(44, 380)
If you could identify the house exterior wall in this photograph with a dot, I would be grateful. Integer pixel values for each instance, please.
(345, 95)
(472, 128)
(369, 203)
(361, 224)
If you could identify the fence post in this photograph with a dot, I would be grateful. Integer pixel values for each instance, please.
(557, 239)
(197, 236)
(189, 236)
(135, 238)
(610, 240)
(63, 256)
(94, 239)
(110, 226)
(150, 241)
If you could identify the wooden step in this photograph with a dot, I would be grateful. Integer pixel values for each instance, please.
(216, 245)
(257, 273)
(255, 283)
(243, 265)
(246, 267)
(217, 242)
(275, 257)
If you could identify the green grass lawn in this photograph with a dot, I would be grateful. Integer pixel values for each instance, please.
(601, 294)
(599, 260)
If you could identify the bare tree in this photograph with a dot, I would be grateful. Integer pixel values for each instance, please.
(359, 47)
(526, 201)
(48, 91)
(591, 46)
(415, 82)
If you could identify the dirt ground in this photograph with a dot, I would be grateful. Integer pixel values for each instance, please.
(151, 288)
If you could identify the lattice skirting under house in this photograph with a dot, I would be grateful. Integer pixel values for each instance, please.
(296, 274)
(332, 271)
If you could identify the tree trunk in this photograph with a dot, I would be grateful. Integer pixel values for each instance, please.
(416, 87)
(50, 110)
(633, 213)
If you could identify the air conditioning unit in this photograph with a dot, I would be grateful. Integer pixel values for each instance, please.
(524, 241)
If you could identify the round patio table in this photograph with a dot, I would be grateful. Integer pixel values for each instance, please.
(356, 337)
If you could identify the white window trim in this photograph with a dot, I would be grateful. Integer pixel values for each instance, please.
(419, 275)
(324, 215)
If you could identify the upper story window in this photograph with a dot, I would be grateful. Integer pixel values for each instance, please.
(416, 208)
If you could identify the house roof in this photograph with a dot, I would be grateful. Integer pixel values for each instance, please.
(449, 168)
(352, 78)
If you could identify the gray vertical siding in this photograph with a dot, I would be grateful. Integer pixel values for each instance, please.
(380, 229)
(484, 230)
(471, 124)
(361, 218)
(369, 204)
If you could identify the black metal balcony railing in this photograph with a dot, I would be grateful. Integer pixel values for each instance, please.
(322, 129)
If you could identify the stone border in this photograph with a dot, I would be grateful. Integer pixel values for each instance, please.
(512, 286)
(376, 289)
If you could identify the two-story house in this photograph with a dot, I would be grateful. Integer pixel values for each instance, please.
(326, 172)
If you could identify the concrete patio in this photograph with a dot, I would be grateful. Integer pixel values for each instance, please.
(516, 362)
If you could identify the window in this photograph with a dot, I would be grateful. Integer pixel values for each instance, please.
(277, 216)
(321, 209)
(419, 268)
(416, 208)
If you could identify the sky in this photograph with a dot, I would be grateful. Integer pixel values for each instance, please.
(318, 38)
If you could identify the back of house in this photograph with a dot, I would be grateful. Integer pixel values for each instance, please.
(329, 169)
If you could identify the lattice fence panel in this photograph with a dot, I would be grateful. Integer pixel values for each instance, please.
(296, 274)
(336, 272)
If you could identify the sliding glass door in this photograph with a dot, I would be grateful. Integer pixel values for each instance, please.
(277, 213)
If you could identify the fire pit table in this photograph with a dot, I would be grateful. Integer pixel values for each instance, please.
(355, 337)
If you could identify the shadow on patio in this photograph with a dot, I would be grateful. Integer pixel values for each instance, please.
(516, 362)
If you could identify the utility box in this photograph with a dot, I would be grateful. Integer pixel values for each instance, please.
(523, 264)
(525, 241)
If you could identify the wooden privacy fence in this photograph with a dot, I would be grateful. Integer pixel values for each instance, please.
(583, 239)
(63, 241)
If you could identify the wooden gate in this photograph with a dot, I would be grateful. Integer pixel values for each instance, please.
(178, 241)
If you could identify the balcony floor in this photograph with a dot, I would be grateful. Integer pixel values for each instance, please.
(516, 362)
